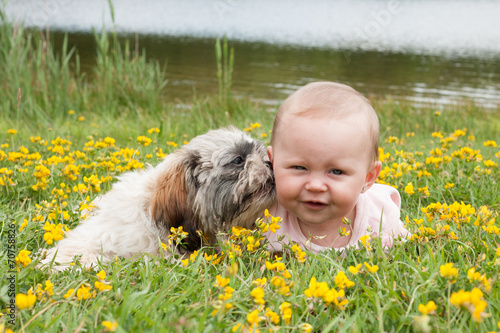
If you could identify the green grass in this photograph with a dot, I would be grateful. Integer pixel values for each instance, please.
(123, 98)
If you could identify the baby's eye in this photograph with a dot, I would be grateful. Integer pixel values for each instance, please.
(298, 167)
(336, 172)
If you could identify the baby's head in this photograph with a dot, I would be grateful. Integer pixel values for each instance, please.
(329, 101)
(324, 151)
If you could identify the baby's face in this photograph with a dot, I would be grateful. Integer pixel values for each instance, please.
(320, 167)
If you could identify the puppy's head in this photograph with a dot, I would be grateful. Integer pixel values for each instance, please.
(218, 180)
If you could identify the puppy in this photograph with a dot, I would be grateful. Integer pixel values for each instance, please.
(218, 180)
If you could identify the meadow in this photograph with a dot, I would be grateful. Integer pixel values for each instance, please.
(65, 135)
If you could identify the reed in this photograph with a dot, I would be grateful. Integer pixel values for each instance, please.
(225, 61)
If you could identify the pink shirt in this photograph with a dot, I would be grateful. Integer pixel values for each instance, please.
(378, 208)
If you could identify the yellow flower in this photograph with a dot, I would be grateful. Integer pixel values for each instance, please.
(41, 172)
(84, 292)
(177, 235)
(69, 293)
(305, 327)
(490, 143)
(49, 288)
(449, 185)
(214, 259)
(25, 301)
(371, 269)
(110, 326)
(448, 271)
(273, 316)
(430, 307)
(274, 225)
(102, 286)
(259, 282)
(81, 118)
(336, 298)
(392, 139)
(12, 131)
(228, 294)
(258, 295)
(424, 191)
(23, 258)
(172, 144)
(53, 232)
(458, 133)
(191, 258)
(239, 231)
(299, 254)
(490, 164)
(355, 270)
(409, 189)
(286, 312)
(23, 225)
(221, 282)
(253, 317)
(365, 240)
(277, 281)
(316, 289)
(109, 142)
(252, 243)
(279, 266)
(144, 140)
(383, 156)
(343, 232)
(342, 281)
(101, 275)
(472, 301)
(472, 275)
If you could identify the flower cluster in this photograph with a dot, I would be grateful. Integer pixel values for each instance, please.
(470, 300)
(320, 290)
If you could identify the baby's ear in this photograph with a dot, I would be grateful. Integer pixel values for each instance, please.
(270, 153)
(372, 174)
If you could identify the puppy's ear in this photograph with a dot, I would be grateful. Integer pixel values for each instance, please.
(169, 206)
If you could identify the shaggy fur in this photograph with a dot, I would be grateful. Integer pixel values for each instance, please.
(218, 180)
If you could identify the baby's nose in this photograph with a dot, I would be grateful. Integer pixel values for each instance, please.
(316, 184)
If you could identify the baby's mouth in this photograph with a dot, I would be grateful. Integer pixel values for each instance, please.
(314, 205)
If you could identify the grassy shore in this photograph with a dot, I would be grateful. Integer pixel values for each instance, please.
(65, 135)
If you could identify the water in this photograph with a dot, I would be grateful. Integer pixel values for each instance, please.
(436, 51)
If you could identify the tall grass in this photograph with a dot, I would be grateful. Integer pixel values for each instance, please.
(122, 83)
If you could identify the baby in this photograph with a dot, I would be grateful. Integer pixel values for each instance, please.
(324, 151)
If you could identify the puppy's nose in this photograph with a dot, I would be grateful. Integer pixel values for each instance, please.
(269, 164)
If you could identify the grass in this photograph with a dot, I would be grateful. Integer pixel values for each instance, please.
(445, 165)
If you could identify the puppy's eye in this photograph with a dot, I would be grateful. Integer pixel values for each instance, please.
(238, 160)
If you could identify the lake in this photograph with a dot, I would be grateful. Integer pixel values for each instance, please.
(424, 51)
